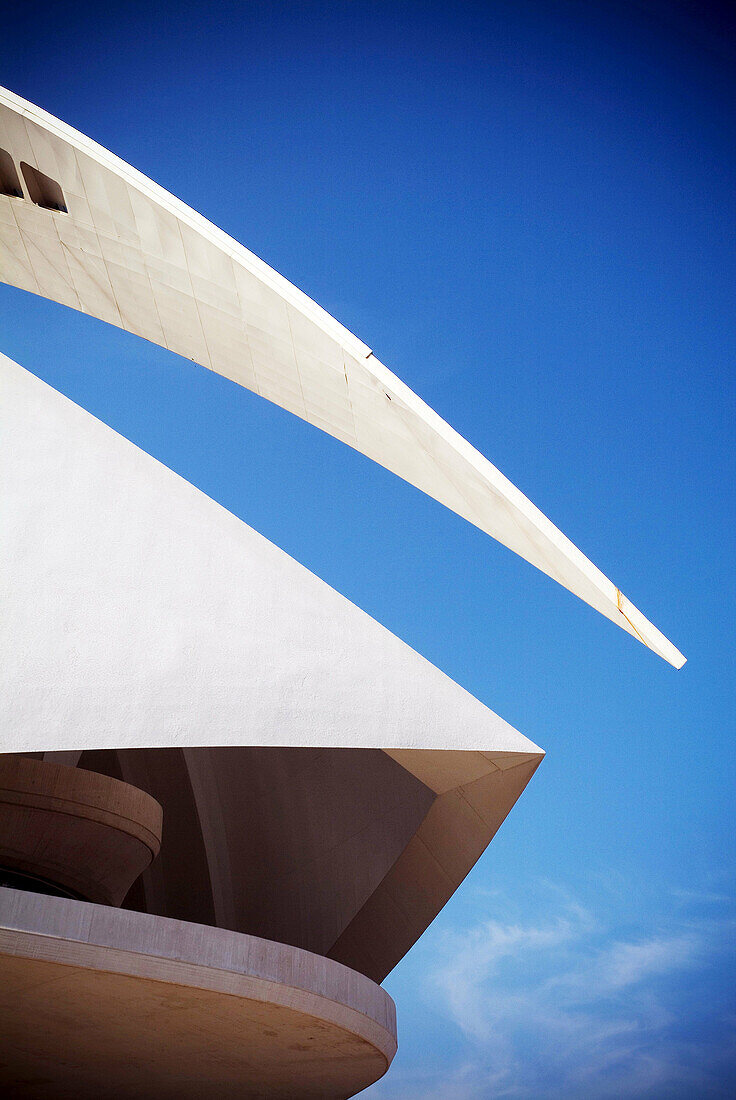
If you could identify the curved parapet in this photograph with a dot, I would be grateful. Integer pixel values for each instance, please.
(83, 228)
(88, 992)
(85, 833)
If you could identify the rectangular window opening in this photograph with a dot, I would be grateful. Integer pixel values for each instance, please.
(42, 189)
(9, 182)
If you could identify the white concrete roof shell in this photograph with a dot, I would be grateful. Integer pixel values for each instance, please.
(139, 613)
(131, 254)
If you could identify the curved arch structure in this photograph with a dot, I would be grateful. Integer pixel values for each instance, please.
(85, 229)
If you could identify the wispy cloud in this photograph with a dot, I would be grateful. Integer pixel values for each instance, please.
(570, 1006)
(701, 897)
(626, 964)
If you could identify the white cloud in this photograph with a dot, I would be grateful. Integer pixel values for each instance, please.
(565, 1007)
(625, 964)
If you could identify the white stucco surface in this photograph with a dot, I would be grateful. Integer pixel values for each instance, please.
(131, 254)
(137, 612)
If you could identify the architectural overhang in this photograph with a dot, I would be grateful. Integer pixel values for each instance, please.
(322, 784)
(83, 228)
(324, 789)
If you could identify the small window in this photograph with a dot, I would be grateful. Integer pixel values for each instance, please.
(43, 190)
(9, 182)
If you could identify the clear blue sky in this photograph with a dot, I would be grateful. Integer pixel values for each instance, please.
(527, 211)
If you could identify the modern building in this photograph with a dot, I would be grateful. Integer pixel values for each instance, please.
(230, 801)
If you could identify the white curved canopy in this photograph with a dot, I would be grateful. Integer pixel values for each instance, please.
(324, 785)
(137, 612)
(127, 252)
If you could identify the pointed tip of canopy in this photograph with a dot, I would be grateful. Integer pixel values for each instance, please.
(639, 626)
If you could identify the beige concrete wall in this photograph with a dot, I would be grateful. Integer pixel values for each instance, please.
(103, 1004)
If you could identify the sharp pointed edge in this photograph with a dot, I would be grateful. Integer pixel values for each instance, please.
(176, 576)
(505, 761)
(532, 535)
(456, 831)
(444, 770)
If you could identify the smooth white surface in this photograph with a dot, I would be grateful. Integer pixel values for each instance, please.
(137, 612)
(131, 254)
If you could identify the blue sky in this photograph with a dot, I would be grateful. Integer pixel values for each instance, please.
(527, 211)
